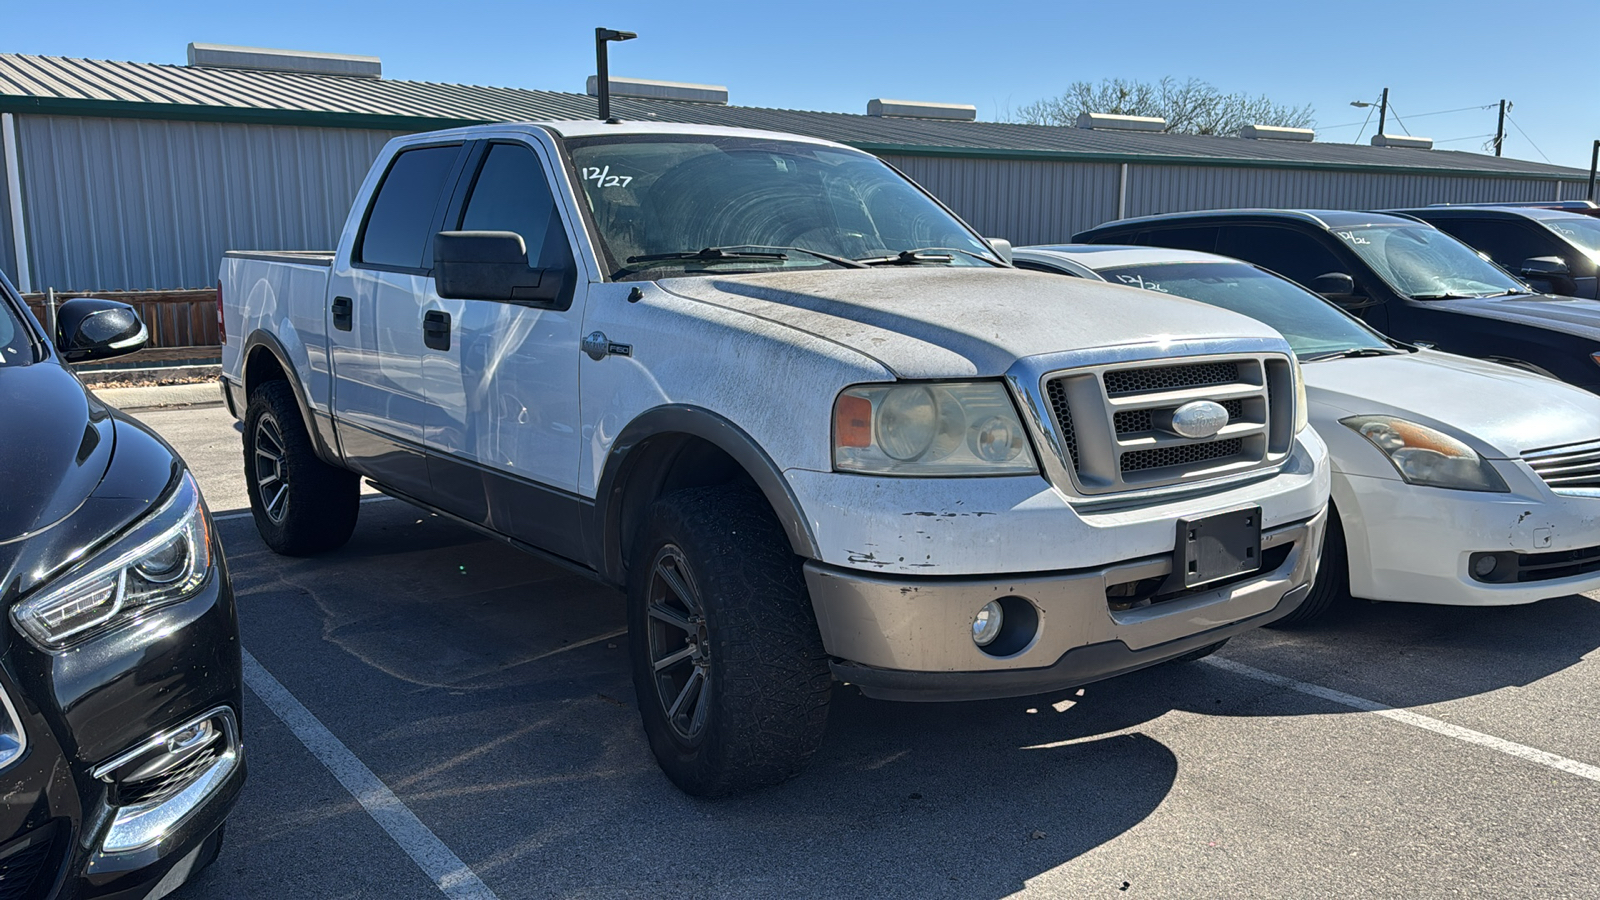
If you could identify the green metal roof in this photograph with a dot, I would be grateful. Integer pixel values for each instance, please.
(69, 86)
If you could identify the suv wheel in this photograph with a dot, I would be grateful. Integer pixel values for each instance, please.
(732, 680)
(301, 504)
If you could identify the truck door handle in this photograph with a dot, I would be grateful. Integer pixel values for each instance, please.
(436, 329)
(342, 313)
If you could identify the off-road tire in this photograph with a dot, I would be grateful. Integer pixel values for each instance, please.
(765, 682)
(1331, 590)
(317, 508)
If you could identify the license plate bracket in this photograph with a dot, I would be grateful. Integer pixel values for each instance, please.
(1221, 545)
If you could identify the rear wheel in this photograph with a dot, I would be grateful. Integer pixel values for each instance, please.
(1331, 590)
(301, 504)
(732, 680)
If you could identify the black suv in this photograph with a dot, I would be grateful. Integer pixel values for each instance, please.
(1402, 276)
(1554, 250)
(119, 651)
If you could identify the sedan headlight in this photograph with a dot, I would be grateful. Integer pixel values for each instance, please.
(1424, 455)
(930, 429)
(163, 559)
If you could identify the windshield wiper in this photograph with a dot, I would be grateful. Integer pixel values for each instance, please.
(1447, 295)
(708, 254)
(921, 256)
(1351, 353)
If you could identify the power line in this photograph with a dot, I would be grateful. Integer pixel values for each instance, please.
(1467, 138)
(1439, 112)
(1525, 136)
(1396, 115)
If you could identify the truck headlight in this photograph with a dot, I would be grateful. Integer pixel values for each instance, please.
(1426, 456)
(954, 428)
(164, 558)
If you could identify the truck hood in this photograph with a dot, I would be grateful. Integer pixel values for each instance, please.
(1499, 411)
(55, 445)
(1570, 315)
(942, 323)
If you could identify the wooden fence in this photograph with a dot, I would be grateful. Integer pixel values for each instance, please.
(174, 318)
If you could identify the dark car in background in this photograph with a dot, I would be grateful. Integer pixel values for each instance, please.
(120, 752)
(1400, 275)
(1554, 250)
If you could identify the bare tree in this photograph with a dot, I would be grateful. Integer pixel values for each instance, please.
(1190, 107)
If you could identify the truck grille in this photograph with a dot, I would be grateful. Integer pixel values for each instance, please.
(1568, 468)
(1105, 416)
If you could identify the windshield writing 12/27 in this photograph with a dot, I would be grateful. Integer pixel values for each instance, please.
(657, 202)
(1425, 263)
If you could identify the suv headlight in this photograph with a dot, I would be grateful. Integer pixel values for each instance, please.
(952, 428)
(1426, 456)
(161, 560)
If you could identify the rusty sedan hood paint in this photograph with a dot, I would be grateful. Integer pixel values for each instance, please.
(941, 323)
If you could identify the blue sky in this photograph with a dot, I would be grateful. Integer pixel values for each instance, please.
(829, 55)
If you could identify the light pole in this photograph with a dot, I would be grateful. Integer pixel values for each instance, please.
(603, 36)
(1383, 109)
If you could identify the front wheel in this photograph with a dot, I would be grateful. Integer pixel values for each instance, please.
(1331, 590)
(732, 680)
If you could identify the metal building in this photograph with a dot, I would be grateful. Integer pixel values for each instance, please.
(137, 176)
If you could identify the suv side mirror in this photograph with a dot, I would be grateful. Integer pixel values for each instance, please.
(91, 328)
(1001, 248)
(1334, 285)
(1545, 267)
(491, 265)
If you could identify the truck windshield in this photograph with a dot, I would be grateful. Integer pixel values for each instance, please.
(1580, 230)
(665, 205)
(1426, 264)
(1312, 325)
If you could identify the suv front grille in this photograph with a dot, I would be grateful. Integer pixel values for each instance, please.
(29, 864)
(1106, 416)
(1568, 468)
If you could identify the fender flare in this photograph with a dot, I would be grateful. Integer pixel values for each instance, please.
(267, 342)
(697, 422)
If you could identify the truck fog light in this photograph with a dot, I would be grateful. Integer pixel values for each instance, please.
(1484, 565)
(986, 624)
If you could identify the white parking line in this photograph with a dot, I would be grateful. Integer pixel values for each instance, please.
(247, 513)
(1510, 748)
(452, 876)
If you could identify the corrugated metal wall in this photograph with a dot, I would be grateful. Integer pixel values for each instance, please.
(1041, 202)
(134, 204)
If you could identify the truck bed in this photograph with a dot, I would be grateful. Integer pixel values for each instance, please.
(298, 257)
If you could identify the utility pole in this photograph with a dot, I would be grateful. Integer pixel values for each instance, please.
(603, 36)
(1594, 161)
(1383, 111)
(1500, 130)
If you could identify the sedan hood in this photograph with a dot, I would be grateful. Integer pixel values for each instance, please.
(55, 444)
(1500, 411)
(1570, 315)
(941, 323)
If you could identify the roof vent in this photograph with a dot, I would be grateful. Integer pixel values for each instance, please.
(916, 109)
(1276, 133)
(1109, 122)
(1402, 140)
(302, 62)
(649, 89)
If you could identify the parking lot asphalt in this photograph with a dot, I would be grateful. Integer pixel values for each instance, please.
(489, 692)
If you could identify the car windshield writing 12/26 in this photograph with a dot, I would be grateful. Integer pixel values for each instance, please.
(1312, 326)
(1427, 264)
(690, 204)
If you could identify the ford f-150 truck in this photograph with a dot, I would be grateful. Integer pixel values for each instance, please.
(814, 425)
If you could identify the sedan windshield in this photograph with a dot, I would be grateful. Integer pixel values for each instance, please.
(1426, 264)
(665, 205)
(1312, 325)
(1580, 230)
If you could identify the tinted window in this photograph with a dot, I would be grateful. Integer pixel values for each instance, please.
(512, 194)
(1203, 239)
(656, 199)
(401, 219)
(1293, 254)
(15, 347)
(1507, 243)
(1311, 324)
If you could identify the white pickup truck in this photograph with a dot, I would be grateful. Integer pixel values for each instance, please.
(815, 425)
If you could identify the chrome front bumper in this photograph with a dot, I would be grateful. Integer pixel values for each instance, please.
(910, 638)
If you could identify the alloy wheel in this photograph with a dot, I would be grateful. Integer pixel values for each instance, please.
(271, 470)
(679, 643)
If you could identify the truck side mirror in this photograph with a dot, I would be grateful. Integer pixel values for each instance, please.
(492, 265)
(1001, 248)
(91, 328)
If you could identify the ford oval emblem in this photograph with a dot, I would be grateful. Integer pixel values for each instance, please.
(1199, 419)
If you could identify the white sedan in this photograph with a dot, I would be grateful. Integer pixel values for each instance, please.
(1456, 481)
